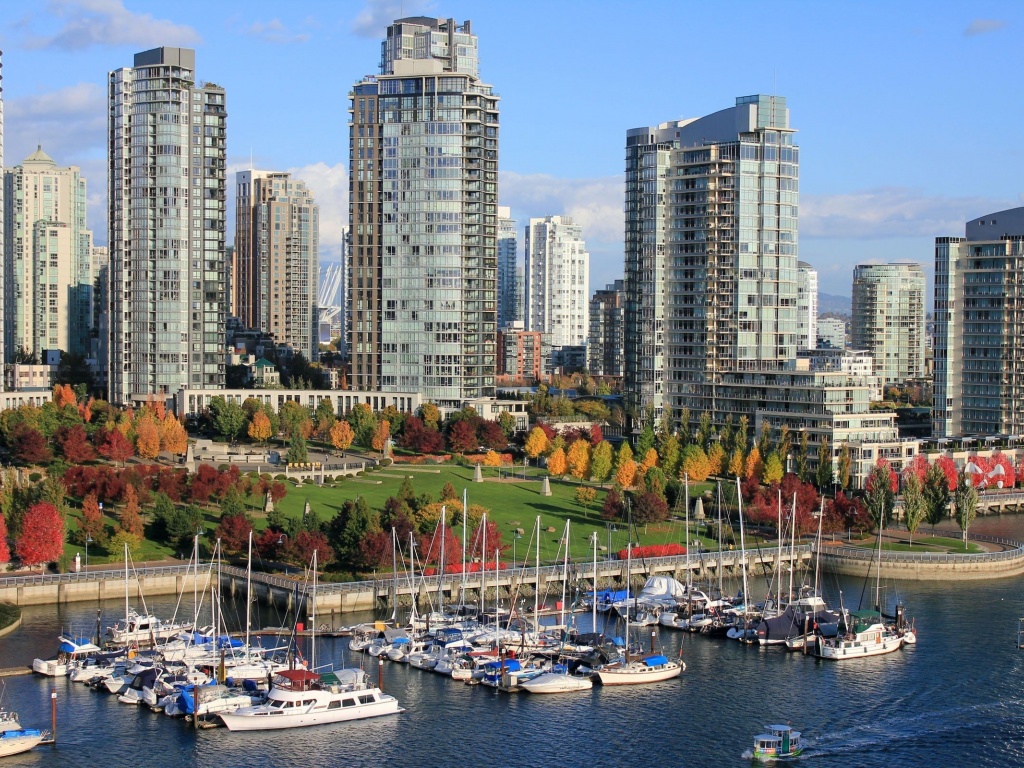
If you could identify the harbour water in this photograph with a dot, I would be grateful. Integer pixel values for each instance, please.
(955, 698)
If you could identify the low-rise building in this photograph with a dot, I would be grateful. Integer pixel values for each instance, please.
(192, 402)
(520, 355)
(25, 376)
(852, 361)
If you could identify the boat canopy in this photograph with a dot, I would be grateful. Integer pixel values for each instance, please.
(77, 645)
(511, 665)
(655, 661)
(612, 595)
(663, 588)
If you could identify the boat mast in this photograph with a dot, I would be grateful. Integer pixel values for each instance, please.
(126, 586)
(248, 595)
(629, 562)
(394, 571)
(743, 554)
(536, 586)
(195, 585)
(440, 571)
(778, 558)
(565, 574)
(593, 607)
(720, 561)
(686, 505)
(465, 510)
(312, 621)
(817, 554)
(792, 550)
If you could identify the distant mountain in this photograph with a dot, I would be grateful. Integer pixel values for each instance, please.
(840, 305)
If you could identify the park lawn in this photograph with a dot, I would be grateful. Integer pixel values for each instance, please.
(942, 544)
(512, 505)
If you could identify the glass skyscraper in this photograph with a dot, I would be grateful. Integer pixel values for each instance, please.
(888, 319)
(511, 292)
(711, 254)
(166, 187)
(423, 217)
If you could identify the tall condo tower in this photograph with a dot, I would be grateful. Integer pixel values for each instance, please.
(510, 272)
(47, 258)
(277, 224)
(711, 255)
(806, 306)
(979, 328)
(888, 318)
(557, 281)
(423, 209)
(167, 197)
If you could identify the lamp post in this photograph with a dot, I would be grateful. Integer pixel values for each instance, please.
(88, 540)
(611, 529)
(282, 540)
(515, 537)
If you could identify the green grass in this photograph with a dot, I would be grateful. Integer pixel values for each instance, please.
(512, 505)
(8, 614)
(926, 544)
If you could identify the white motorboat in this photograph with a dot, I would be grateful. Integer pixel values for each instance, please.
(69, 653)
(557, 681)
(214, 699)
(146, 630)
(673, 620)
(14, 742)
(301, 698)
(9, 721)
(866, 635)
(650, 669)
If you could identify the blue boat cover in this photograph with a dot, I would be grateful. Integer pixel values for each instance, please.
(69, 648)
(655, 661)
(511, 665)
(20, 734)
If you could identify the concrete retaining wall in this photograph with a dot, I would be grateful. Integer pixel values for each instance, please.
(107, 589)
(925, 571)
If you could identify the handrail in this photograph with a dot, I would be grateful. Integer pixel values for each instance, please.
(1015, 552)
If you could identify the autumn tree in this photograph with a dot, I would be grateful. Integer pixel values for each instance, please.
(431, 416)
(843, 466)
(147, 438)
(116, 447)
(536, 443)
(703, 436)
(42, 535)
(695, 463)
(914, 505)
(91, 524)
(716, 460)
(753, 467)
(736, 466)
(585, 496)
(773, 471)
(173, 436)
(381, 435)
(557, 463)
(649, 459)
(492, 459)
(5, 552)
(29, 446)
(601, 461)
(624, 455)
(75, 445)
(341, 436)
(880, 497)
(259, 427)
(233, 532)
(579, 459)
(462, 437)
(823, 476)
(64, 395)
(802, 454)
(650, 508)
(669, 455)
(625, 475)
(130, 518)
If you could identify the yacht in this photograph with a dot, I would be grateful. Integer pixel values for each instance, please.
(146, 630)
(866, 635)
(299, 698)
(649, 669)
(70, 653)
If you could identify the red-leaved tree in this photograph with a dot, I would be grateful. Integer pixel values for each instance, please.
(116, 447)
(30, 446)
(305, 542)
(948, 467)
(92, 518)
(42, 535)
(462, 437)
(233, 532)
(75, 445)
(5, 552)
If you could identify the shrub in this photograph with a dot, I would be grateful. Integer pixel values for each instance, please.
(654, 550)
(35, 477)
(279, 477)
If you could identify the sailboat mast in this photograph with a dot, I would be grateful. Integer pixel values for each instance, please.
(248, 594)
(126, 586)
(792, 549)
(817, 553)
(593, 607)
(195, 584)
(465, 509)
(720, 539)
(629, 563)
(686, 505)
(483, 571)
(536, 585)
(440, 571)
(778, 557)
(565, 574)
(743, 552)
(312, 620)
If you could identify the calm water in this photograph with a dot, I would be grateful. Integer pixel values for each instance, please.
(954, 698)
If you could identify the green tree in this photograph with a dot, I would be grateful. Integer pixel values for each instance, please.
(601, 461)
(624, 454)
(324, 411)
(347, 529)
(703, 436)
(684, 428)
(292, 416)
(507, 422)
(297, 453)
(915, 507)
(645, 441)
(227, 418)
(669, 453)
(823, 477)
(585, 496)
(742, 436)
(772, 469)
(233, 502)
(936, 495)
(965, 503)
(364, 423)
(764, 439)
(880, 497)
(802, 454)
(844, 466)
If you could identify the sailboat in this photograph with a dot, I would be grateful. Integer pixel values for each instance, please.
(647, 669)
(303, 697)
(143, 629)
(744, 633)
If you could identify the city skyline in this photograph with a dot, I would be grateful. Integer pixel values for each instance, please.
(885, 209)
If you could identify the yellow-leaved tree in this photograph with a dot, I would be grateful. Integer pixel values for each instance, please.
(557, 463)
(736, 463)
(754, 467)
(579, 459)
(695, 463)
(625, 475)
(716, 458)
(147, 438)
(341, 436)
(259, 427)
(649, 459)
(536, 443)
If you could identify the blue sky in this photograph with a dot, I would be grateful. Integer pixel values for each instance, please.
(908, 113)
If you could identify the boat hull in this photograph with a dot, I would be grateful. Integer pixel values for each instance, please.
(551, 682)
(637, 676)
(14, 743)
(844, 651)
(236, 721)
(50, 668)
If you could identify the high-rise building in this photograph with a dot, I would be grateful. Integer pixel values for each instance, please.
(520, 355)
(711, 254)
(806, 306)
(510, 272)
(99, 342)
(888, 318)
(423, 170)
(47, 258)
(606, 342)
(832, 332)
(3, 290)
(167, 196)
(277, 242)
(979, 327)
(557, 281)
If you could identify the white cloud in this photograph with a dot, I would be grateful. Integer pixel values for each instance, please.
(376, 15)
(983, 27)
(329, 185)
(84, 23)
(69, 123)
(890, 212)
(274, 31)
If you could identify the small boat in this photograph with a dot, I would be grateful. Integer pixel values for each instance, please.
(866, 635)
(650, 669)
(779, 743)
(13, 738)
(300, 698)
(558, 680)
(146, 630)
(70, 653)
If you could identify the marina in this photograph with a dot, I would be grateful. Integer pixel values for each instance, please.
(898, 706)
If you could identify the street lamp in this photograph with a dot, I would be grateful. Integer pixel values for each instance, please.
(88, 541)
(516, 537)
(611, 529)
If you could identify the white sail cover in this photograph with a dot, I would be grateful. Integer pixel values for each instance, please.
(662, 590)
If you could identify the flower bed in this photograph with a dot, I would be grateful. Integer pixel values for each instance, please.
(654, 550)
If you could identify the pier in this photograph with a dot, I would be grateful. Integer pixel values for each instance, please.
(346, 597)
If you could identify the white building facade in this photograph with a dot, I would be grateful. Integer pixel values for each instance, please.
(557, 281)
